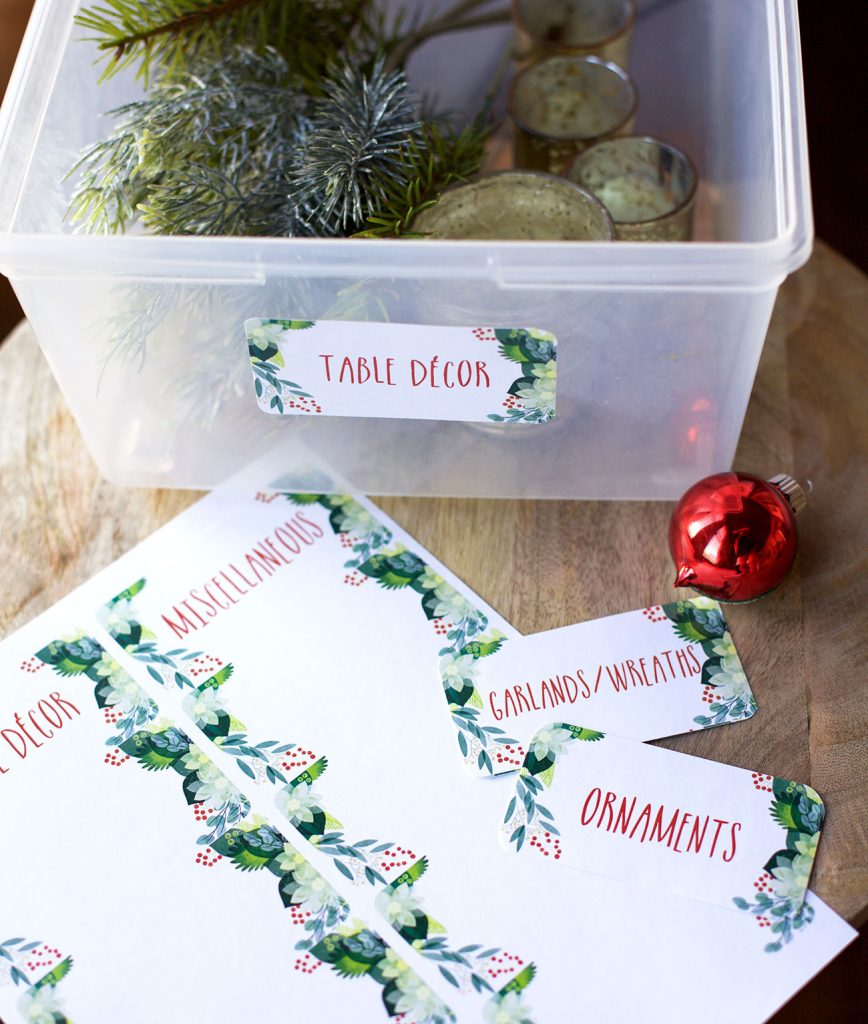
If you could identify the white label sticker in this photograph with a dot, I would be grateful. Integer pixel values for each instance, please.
(404, 371)
(645, 814)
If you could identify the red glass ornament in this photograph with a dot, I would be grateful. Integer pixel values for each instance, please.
(733, 536)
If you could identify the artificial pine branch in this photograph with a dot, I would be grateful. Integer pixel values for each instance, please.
(321, 140)
(355, 148)
(170, 34)
(438, 159)
(222, 139)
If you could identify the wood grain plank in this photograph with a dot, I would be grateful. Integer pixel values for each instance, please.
(827, 348)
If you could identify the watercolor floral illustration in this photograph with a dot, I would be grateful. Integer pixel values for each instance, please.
(527, 818)
(249, 843)
(274, 392)
(531, 396)
(463, 627)
(779, 902)
(299, 797)
(22, 959)
(727, 692)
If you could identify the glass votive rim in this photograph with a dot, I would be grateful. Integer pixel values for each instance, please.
(590, 45)
(660, 144)
(543, 177)
(610, 65)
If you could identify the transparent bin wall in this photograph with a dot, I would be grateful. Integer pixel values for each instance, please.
(643, 410)
(655, 368)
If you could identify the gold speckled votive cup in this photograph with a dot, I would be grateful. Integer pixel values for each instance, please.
(562, 105)
(516, 206)
(574, 27)
(648, 186)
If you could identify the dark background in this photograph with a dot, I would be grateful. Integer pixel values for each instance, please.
(834, 54)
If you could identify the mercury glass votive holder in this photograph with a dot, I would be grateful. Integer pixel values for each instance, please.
(516, 206)
(574, 27)
(648, 186)
(562, 105)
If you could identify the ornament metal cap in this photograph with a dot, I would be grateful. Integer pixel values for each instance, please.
(792, 490)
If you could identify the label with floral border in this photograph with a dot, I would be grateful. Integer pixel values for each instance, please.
(645, 814)
(248, 842)
(295, 769)
(405, 371)
(646, 674)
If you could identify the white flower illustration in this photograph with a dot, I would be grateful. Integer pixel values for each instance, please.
(120, 689)
(392, 966)
(313, 892)
(194, 760)
(264, 336)
(430, 579)
(118, 620)
(357, 520)
(204, 706)
(299, 802)
(290, 859)
(541, 394)
(41, 1005)
(417, 1000)
(457, 672)
(398, 906)
(723, 647)
(508, 1009)
(552, 740)
(728, 677)
(791, 880)
(451, 605)
(214, 786)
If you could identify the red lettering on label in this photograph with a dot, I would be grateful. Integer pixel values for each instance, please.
(49, 711)
(736, 827)
(586, 818)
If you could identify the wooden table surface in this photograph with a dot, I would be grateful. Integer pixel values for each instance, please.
(803, 645)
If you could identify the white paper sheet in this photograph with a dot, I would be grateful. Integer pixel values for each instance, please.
(100, 862)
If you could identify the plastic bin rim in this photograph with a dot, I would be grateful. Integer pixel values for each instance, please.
(38, 254)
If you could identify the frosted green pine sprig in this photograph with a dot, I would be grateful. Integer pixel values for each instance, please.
(164, 38)
(220, 140)
(354, 149)
(317, 136)
(433, 162)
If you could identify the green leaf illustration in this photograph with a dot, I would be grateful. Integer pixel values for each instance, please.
(688, 632)
(56, 974)
(412, 874)
(218, 679)
(482, 649)
(129, 593)
(782, 813)
(311, 773)
(590, 735)
(520, 981)
(393, 571)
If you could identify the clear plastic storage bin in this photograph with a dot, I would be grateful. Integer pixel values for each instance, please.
(658, 343)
